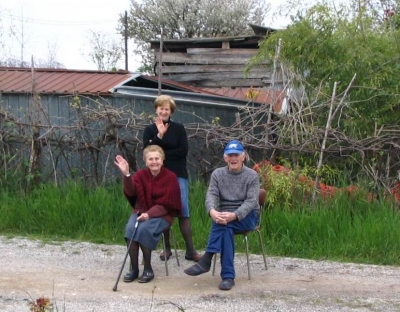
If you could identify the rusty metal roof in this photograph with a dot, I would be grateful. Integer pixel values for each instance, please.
(61, 81)
(259, 95)
(64, 81)
(178, 85)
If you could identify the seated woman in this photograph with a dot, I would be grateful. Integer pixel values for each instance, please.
(155, 198)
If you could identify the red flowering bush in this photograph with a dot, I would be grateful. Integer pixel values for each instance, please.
(41, 305)
(283, 185)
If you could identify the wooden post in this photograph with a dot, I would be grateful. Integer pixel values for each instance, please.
(160, 61)
(34, 116)
(126, 39)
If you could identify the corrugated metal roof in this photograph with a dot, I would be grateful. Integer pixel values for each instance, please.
(64, 81)
(180, 96)
(262, 96)
(61, 81)
(178, 85)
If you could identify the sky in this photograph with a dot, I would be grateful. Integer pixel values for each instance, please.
(63, 25)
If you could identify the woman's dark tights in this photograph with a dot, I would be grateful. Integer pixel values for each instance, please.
(146, 259)
(134, 256)
(186, 230)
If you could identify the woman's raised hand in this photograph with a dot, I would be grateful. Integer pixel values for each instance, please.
(161, 127)
(122, 164)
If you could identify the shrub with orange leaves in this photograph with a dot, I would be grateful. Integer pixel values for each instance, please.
(281, 184)
(395, 191)
(327, 191)
(265, 169)
(252, 93)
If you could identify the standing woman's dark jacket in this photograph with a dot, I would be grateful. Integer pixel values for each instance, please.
(175, 146)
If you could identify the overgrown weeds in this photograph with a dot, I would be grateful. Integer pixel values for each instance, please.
(341, 227)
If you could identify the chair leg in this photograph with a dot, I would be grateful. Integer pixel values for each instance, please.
(172, 237)
(262, 248)
(214, 263)
(165, 256)
(247, 255)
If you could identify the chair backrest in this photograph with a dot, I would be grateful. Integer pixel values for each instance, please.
(262, 197)
(261, 200)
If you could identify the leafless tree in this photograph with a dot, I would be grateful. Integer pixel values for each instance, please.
(106, 51)
(15, 32)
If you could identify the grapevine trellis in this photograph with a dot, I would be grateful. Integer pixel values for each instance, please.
(35, 146)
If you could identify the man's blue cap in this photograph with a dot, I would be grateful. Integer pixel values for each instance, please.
(233, 147)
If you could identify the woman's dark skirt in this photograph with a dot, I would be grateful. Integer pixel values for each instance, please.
(148, 233)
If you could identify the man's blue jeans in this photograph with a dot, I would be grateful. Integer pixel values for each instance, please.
(222, 241)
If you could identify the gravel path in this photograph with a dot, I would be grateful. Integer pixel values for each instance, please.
(80, 277)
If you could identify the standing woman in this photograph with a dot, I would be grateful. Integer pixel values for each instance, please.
(171, 136)
(155, 198)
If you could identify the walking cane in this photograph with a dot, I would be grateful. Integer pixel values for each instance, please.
(127, 253)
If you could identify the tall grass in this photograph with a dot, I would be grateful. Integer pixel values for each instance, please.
(343, 228)
(70, 212)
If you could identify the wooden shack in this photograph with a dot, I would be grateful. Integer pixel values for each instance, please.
(214, 62)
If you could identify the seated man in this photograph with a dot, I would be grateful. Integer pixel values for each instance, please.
(232, 203)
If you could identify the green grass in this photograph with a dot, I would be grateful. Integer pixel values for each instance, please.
(342, 229)
(71, 212)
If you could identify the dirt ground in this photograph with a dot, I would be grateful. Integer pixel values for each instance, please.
(80, 277)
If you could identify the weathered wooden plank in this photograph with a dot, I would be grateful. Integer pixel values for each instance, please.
(207, 59)
(220, 51)
(182, 44)
(219, 76)
(234, 83)
(228, 83)
(268, 81)
(225, 45)
(211, 68)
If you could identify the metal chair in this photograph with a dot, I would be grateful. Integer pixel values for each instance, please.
(172, 237)
(261, 200)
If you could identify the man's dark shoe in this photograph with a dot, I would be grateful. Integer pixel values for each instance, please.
(227, 284)
(131, 276)
(146, 277)
(196, 269)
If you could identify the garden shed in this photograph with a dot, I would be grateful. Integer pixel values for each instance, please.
(71, 123)
(218, 65)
